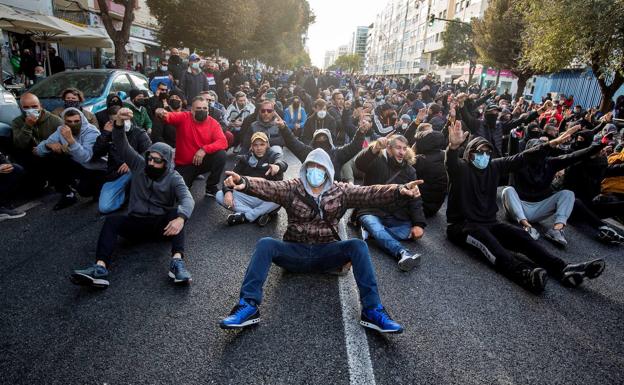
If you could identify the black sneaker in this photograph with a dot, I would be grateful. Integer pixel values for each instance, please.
(211, 191)
(534, 279)
(236, 219)
(574, 274)
(66, 201)
(9, 213)
(557, 237)
(264, 219)
(607, 235)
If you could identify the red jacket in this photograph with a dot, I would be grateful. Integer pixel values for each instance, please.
(192, 135)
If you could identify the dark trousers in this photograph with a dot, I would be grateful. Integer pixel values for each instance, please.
(306, 258)
(583, 215)
(213, 163)
(136, 229)
(62, 172)
(9, 183)
(496, 241)
(34, 171)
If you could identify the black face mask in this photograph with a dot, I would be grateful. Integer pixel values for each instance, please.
(154, 173)
(72, 103)
(75, 128)
(323, 144)
(175, 104)
(114, 102)
(490, 120)
(139, 102)
(163, 96)
(201, 115)
(531, 134)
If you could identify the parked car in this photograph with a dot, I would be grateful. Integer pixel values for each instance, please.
(9, 110)
(95, 84)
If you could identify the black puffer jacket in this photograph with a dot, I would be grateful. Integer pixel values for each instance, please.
(429, 148)
(378, 169)
(244, 168)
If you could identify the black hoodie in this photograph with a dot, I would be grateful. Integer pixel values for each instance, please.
(429, 149)
(472, 192)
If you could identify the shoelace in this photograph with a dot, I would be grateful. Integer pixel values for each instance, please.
(238, 309)
(382, 315)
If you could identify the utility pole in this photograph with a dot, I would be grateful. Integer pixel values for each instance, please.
(403, 38)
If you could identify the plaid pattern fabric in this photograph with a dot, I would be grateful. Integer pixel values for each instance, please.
(305, 223)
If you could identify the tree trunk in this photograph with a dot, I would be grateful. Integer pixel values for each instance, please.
(119, 37)
(121, 55)
(607, 91)
(522, 81)
(472, 67)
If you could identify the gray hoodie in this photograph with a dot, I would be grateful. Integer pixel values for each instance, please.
(82, 149)
(153, 197)
(321, 157)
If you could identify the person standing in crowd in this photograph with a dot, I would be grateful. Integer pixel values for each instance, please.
(68, 154)
(118, 175)
(176, 66)
(28, 64)
(193, 81)
(261, 162)
(162, 75)
(389, 161)
(32, 127)
(314, 204)
(56, 62)
(73, 97)
(163, 132)
(314, 84)
(472, 222)
(429, 148)
(160, 205)
(200, 144)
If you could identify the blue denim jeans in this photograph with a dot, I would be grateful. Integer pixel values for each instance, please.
(388, 232)
(113, 194)
(305, 258)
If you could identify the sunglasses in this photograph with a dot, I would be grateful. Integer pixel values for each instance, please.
(483, 152)
(266, 111)
(155, 160)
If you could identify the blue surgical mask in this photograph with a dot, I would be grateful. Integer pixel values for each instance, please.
(481, 161)
(33, 112)
(315, 176)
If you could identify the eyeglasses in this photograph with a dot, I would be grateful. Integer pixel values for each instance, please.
(266, 111)
(155, 159)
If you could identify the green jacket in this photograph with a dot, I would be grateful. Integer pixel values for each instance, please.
(25, 137)
(140, 117)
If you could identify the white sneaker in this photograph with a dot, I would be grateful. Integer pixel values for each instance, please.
(408, 261)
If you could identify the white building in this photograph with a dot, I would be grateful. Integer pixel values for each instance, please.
(330, 58)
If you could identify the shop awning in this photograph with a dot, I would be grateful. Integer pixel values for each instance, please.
(145, 41)
(18, 21)
(135, 46)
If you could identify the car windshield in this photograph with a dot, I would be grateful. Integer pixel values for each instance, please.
(91, 84)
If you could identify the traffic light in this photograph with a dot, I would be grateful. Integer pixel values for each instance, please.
(431, 19)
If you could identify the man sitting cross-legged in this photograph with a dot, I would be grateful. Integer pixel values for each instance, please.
(261, 161)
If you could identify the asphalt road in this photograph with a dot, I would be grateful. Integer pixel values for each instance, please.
(465, 324)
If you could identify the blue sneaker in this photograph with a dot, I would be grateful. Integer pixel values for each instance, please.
(242, 315)
(178, 272)
(94, 276)
(379, 319)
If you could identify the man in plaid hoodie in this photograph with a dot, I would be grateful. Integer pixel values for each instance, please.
(315, 203)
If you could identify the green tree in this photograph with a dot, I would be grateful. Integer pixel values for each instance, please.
(458, 47)
(268, 30)
(351, 62)
(498, 39)
(577, 32)
(119, 37)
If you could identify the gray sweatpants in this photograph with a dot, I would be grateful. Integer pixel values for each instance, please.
(252, 207)
(560, 204)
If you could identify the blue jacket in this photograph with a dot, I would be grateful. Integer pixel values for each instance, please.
(291, 117)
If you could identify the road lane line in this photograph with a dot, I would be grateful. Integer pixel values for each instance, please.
(358, 354)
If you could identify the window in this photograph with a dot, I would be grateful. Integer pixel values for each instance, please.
(139, 82)
(121, 83)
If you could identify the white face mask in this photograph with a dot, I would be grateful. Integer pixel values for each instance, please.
(321, 114)
(127, 125)
(404, 126)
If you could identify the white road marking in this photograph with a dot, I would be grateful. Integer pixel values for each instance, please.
(358, 354)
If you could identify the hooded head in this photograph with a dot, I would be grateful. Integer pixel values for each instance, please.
(429, 142)
(314, 158)
(83, 125)
(322, 139)
(113, 100)
(582, 139)
(153, 171)
(478, 153)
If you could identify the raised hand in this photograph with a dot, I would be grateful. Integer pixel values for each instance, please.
(456, 135)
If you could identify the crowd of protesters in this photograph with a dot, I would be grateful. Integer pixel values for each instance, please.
(393, 150)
